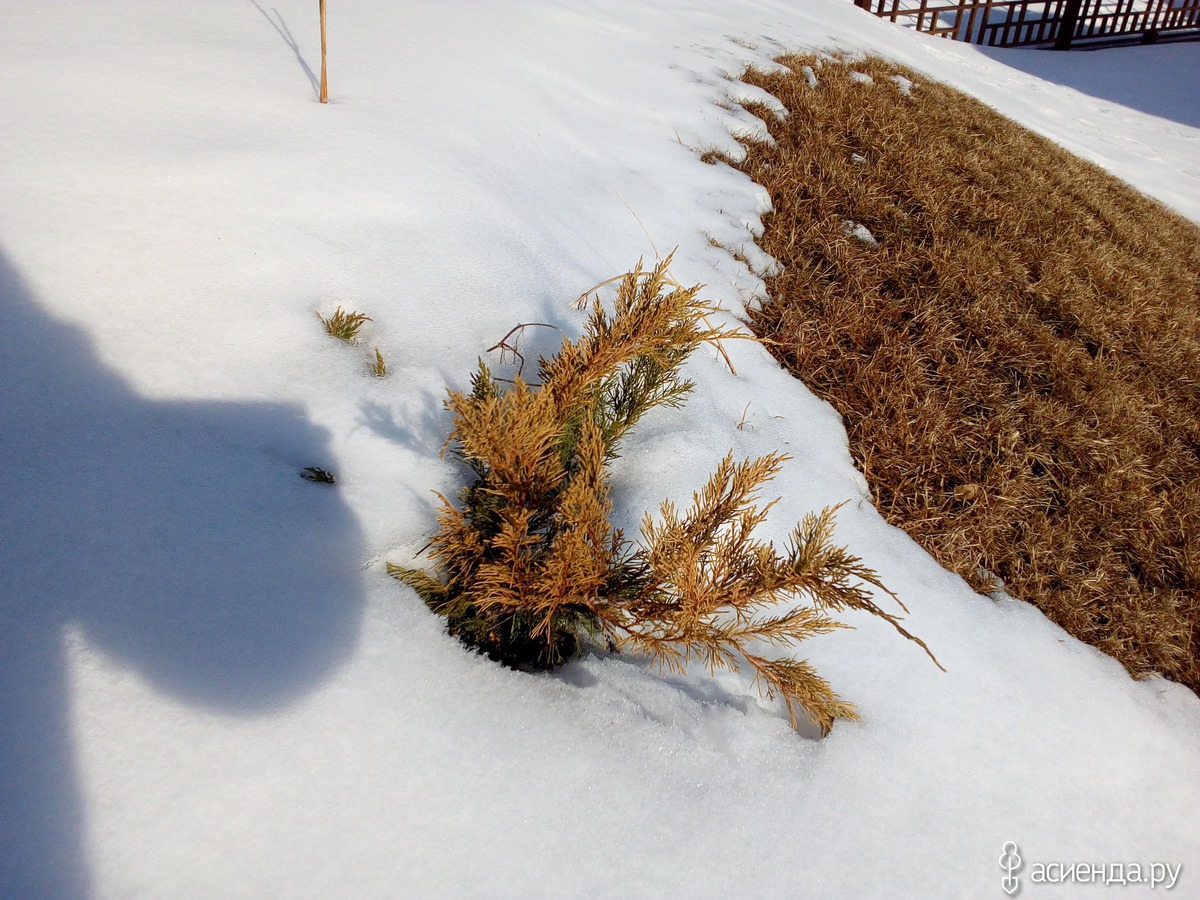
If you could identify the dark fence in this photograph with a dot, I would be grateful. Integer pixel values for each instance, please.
(1061, 23)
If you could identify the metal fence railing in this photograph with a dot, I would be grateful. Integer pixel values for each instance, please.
(1061, 23)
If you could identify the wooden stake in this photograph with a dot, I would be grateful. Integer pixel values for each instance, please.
(324, 80)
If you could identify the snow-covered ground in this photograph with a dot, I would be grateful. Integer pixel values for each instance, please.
(208, 688)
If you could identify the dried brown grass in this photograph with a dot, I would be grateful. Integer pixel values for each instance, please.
(1017, 362)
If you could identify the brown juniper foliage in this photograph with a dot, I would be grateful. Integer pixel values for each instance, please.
(531, 568)
(378, 366)
(1017, 361)
(344, 325)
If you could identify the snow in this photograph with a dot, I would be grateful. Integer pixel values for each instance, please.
(857, 230)
(1159, 80)
(207, 685)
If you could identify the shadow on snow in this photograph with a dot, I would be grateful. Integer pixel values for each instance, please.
(1158, 80)
(176, 537)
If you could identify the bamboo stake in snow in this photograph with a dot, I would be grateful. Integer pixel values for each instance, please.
(324, 80)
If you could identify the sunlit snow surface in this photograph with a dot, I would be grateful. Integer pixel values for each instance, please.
(208, 688)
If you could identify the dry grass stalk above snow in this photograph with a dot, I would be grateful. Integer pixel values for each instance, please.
(531, 568)
(1012, 337)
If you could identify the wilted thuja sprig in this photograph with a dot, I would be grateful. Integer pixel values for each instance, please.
(378, 366)
(344, 325)
(531, 568)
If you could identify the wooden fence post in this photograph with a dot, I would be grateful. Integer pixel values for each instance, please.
(1066, 25)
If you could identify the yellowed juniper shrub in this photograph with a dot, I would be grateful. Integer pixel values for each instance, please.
(531, 568)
